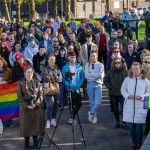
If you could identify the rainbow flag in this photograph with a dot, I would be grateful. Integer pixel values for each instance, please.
(9, 104)
(146, 102)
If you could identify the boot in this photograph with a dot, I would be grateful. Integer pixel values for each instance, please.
(26, 144)
(35, 144)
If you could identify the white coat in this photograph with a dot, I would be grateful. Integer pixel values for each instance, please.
(133, 111)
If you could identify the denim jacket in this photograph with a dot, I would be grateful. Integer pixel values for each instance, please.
(79, 77)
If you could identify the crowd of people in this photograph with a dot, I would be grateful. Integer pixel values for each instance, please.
(73, 58)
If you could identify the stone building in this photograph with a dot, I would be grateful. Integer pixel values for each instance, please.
(80, 8)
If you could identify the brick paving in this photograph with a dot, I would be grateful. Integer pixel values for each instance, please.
(100, 136)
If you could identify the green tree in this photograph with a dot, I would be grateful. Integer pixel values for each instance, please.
(18, 4)
(31, 4)
(68, 12)
(55, 2)
(6, 10)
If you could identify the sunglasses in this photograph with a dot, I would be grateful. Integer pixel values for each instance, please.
(92, 66)
(117, 62)
(116, 51)
(147, 62)
(70, 49)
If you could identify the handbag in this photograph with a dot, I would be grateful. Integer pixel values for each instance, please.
(53, 89)
(146, 103)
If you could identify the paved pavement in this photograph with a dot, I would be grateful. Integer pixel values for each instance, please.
(100, 136)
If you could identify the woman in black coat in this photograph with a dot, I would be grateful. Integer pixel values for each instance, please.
(113, 81)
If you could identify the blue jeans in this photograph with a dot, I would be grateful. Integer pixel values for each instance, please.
(94, 91)
(136, 133)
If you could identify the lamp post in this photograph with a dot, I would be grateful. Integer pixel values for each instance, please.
(47, 10)
(62, 7)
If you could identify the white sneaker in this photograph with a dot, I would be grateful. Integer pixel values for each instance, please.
(94, 120)
(53, 122)
(48, 125)
(90, 117)
(70, 121)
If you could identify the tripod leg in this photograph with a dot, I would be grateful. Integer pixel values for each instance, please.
(50, 140)
(56, 125)
(81, 130)
(40, 140)
(73, 135)
(71, 111)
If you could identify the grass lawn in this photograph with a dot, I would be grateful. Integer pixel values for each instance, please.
(142, 35)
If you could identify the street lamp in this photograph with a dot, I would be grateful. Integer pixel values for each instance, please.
(62, 9)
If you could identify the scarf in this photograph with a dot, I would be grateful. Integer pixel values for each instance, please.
(22, 66)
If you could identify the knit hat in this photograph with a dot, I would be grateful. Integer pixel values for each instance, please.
(31, 38)
(18, 56)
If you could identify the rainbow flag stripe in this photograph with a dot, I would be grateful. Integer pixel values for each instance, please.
(146, 102)
(9, 104)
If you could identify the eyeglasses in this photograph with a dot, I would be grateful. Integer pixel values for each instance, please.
(116, 44)
(147, 62)
(117, 62)
(114, 34)
(119, 32)
(55, 41)
(116, 51)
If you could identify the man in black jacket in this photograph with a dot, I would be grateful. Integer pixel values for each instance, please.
(39, 61)
(130, 56)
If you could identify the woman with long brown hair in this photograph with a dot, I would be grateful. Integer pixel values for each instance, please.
(4, 51)
(52, 74)
(113, 81)
(5, 78)
(5, 72)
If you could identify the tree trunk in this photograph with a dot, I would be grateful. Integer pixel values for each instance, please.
(55, 2)
(68, 13)
(107, 5)
(18, 3)
(33, 15)
(6, 11)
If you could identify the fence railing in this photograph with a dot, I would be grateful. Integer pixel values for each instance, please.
(121, 22)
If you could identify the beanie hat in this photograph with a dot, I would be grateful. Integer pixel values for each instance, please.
(18, 56)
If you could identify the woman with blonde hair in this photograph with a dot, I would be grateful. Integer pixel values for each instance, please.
(146, 66)
(144, 53)
(94, 73)
(5, 78)
(134, 88)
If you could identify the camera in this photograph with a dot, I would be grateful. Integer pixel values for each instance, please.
(69, 75)
(30, 99)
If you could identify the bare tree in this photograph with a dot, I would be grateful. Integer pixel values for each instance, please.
(68, 12)
(55, 2)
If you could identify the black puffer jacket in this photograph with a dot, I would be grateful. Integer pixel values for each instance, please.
(114, 79)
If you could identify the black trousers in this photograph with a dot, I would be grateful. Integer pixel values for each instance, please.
(102, 55)
(74, 103)
(115, 101)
